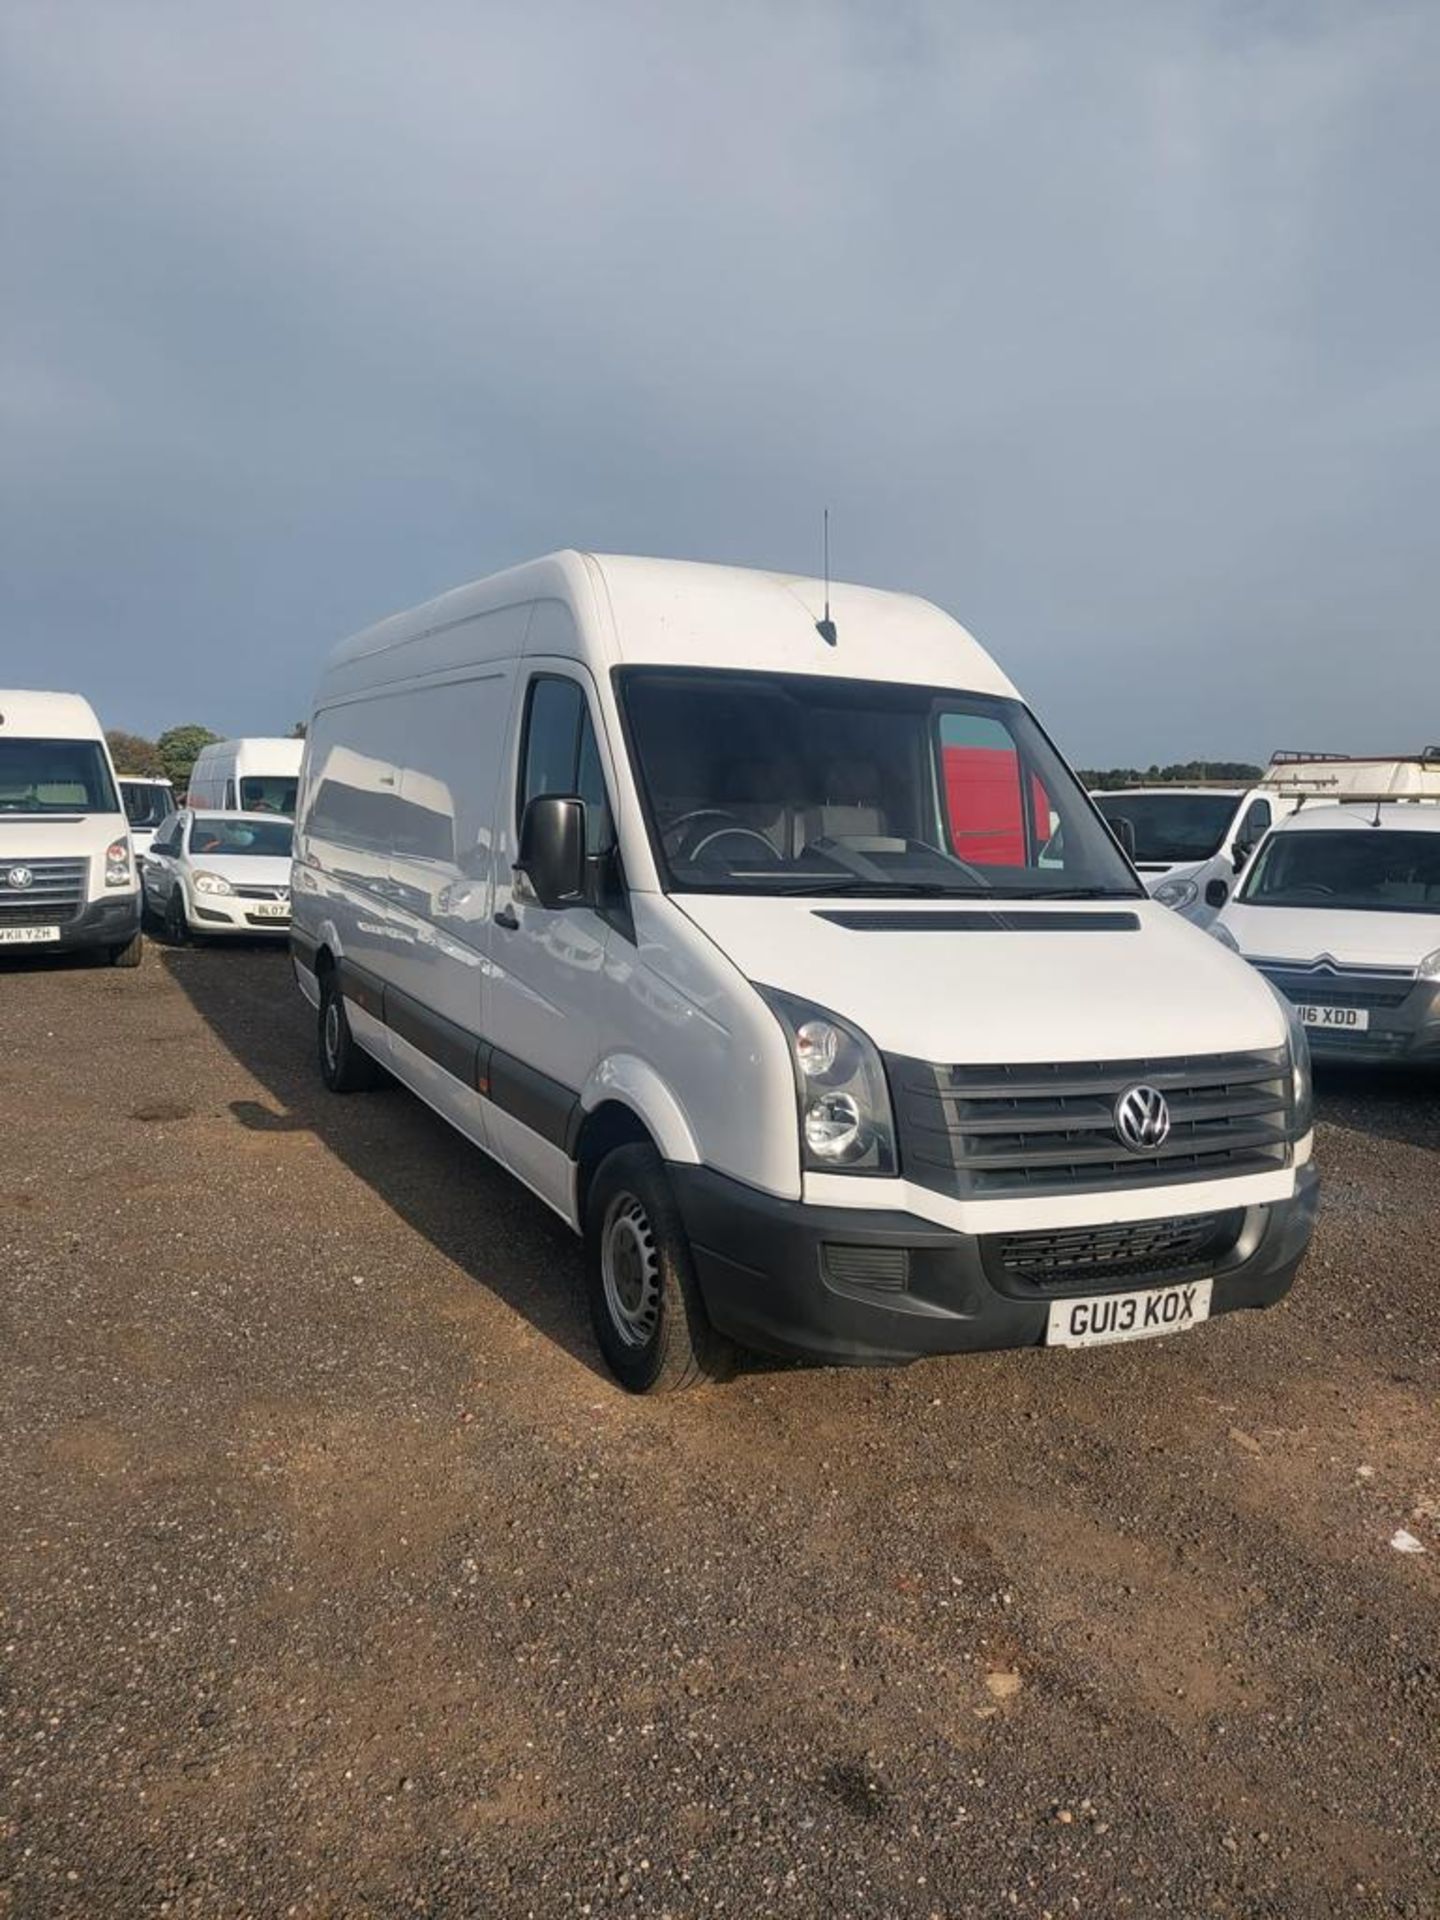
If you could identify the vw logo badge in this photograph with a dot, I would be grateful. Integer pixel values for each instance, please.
(20, 876)
(1142, 1119)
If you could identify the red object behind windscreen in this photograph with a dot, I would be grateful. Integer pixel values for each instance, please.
(982, 799)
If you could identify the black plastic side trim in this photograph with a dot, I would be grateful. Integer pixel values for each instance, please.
(304, 947)
(439, 1039)
(985, 920)
(546, 1106)
(366, 989)
(534, 1099)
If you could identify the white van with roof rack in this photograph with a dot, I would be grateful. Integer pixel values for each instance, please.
(1341, 912)
(68, 879)
(253, 775)
(771, 942)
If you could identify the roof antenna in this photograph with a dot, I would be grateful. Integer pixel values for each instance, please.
(826, 627)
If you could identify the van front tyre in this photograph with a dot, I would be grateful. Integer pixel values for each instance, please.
(131, 954)
(345, 1067)
(644, 1298)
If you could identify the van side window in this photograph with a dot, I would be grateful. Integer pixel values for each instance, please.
(1257, 823)
(229, 796)
(984, 794)
(561, 755)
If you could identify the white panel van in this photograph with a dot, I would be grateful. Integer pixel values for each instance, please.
(246, 776)
(147, 802)
(784, 957)
(68, 878)
(1189, 843)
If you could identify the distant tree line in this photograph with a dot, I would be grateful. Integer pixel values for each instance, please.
(1184, 773)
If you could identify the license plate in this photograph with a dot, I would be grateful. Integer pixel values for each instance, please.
(1128, 1316)
(271, 910)
(27, 936)
(1353, 1019)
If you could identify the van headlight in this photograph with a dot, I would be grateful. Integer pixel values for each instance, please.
(211, 883)
(842, 1100)
(1302, 1077)
(1429, 967)
(1178, 894)
(118, 871)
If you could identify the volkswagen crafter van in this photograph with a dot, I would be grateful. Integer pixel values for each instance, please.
(68, 879)
(785, 958)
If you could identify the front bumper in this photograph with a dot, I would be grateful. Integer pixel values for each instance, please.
(112, 922)
(1406, 1035)
(230, 913)
(767, 1270)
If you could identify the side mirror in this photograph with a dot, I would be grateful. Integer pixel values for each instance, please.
(1124, 831)
(1216, 893)
(552, 849)
(1240, 852)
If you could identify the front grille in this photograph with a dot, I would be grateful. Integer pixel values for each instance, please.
(1347, 987)
(985, 1131)
(55, 895)
(262, 893)
(1131, 1252)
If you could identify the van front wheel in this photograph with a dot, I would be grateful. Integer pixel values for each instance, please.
(344, 1066)
(644, 1298)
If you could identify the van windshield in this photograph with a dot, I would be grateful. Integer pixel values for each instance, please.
(1172, 827)
(790, 783)
(1370, 870)
(55, 776)
(269, 793)
(146, 801)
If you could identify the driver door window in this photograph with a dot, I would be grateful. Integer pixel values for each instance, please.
(561, 756)
(986, 811)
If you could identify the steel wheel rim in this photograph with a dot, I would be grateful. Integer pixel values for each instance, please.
(332, 1031)
(630, 1271)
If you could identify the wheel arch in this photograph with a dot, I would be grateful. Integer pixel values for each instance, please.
(626, 1103)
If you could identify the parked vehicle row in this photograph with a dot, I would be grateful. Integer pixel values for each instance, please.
(759, 929)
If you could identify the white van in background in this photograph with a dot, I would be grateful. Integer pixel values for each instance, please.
(776, 948)
(146, 802)
(68, 878)
(1340, 910)
(246, 776)
(1189, 843)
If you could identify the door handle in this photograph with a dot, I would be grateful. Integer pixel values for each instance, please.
(507, 919)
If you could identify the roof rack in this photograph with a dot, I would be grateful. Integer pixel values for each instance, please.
(1427, 756)
(1357, 798)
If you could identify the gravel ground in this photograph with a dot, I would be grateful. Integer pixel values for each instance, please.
(339, 1580)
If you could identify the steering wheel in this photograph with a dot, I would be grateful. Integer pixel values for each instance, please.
(683, 845)
(1315, 886)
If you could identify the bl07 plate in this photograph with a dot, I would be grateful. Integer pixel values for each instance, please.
(1107, 1317)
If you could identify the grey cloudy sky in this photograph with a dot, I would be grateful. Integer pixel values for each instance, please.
(1110, 327)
